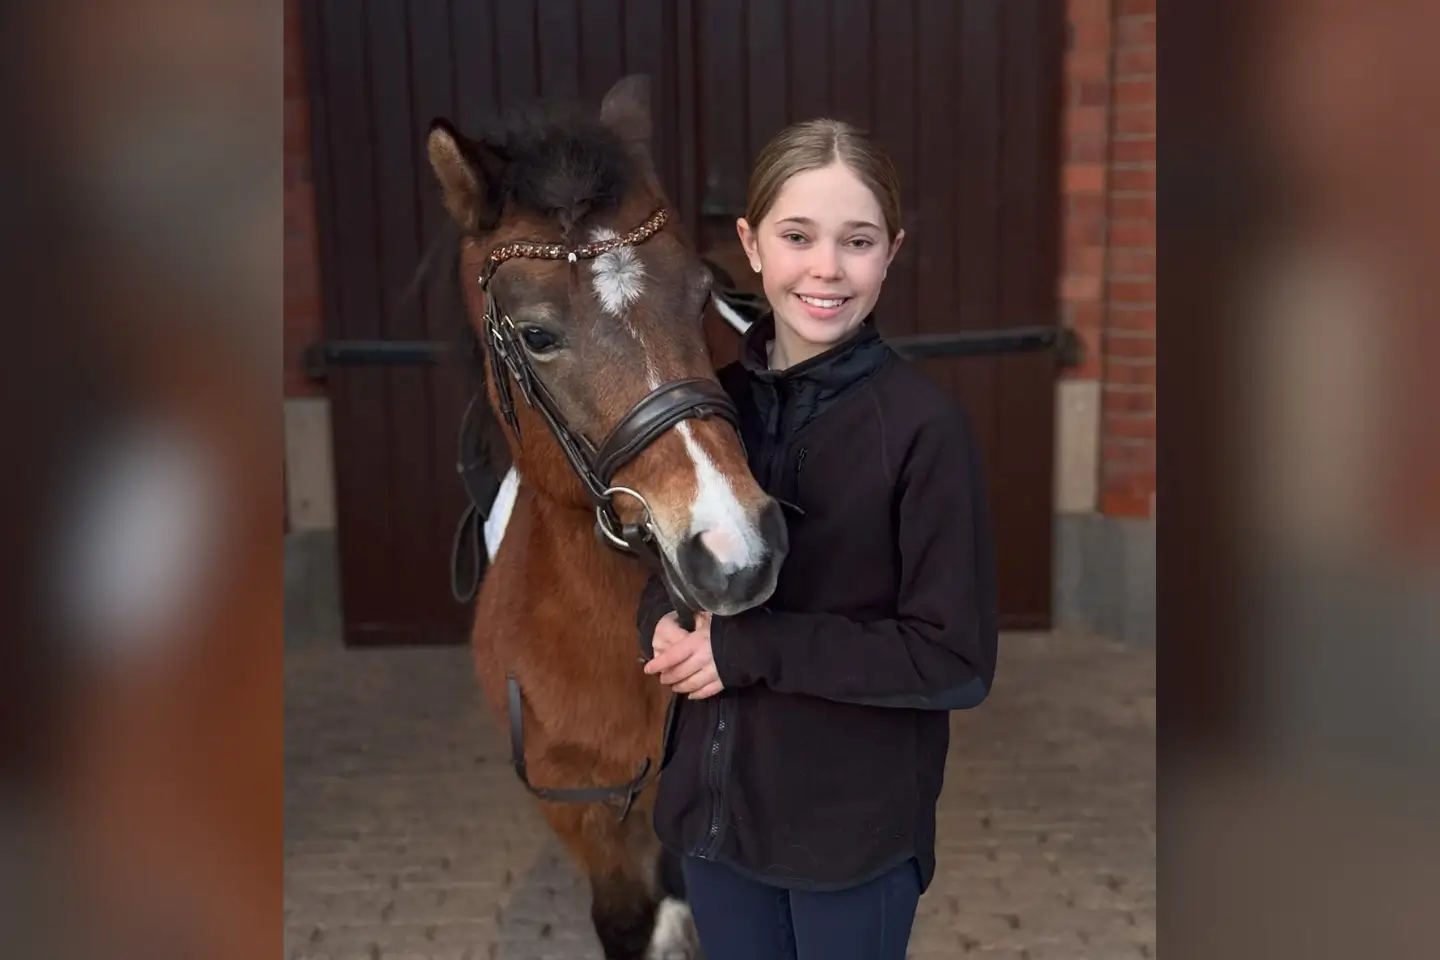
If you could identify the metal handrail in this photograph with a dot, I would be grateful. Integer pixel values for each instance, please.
(322, 355)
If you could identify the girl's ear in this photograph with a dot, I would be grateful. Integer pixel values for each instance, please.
(895, 247)
(748, 241)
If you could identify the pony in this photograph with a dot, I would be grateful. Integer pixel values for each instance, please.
(587, 301)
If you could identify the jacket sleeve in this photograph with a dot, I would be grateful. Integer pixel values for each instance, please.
(654, 605)
(939, 652)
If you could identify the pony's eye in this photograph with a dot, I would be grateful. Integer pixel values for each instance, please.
(538, 340)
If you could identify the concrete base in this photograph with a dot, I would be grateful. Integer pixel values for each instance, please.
(1105, 576)
(312, 590)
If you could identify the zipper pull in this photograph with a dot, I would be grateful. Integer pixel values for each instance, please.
(800, 460)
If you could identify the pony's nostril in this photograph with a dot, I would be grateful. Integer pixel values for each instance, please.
(699, 565)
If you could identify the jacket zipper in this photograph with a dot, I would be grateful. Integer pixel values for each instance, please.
(717, 800)
(723, 725)
(800, 460)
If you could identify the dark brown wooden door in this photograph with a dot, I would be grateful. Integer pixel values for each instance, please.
(965, 95)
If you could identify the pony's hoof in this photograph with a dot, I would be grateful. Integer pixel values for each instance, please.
(674, 936)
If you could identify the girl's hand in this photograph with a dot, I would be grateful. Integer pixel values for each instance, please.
(667, 632)
(684, 661)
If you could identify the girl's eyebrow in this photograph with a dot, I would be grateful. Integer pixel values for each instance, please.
(807, 222)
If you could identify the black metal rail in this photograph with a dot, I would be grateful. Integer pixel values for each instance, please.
(321, 356)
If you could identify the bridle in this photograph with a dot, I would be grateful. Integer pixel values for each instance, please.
(595, 466)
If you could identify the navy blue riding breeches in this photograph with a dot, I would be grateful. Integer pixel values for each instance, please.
(743, 919)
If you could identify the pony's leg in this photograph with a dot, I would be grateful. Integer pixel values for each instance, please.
(674, 936)
(635, 915)
(624, 913)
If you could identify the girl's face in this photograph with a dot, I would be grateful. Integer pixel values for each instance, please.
(823, 251)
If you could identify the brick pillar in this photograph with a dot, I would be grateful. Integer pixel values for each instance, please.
(1086, 153)
(1107, 283)
(1127, 479)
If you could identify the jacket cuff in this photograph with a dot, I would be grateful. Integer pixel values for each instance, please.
(734, 649)
(654, 605)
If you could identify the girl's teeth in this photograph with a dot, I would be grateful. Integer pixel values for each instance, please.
(822, 303)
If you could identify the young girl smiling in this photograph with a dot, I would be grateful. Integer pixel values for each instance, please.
(809, 749)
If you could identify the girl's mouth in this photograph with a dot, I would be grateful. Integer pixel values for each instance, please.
(822, 308)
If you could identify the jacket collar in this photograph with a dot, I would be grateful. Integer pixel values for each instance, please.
(852, 359)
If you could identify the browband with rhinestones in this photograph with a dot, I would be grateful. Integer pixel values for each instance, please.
(586, 251)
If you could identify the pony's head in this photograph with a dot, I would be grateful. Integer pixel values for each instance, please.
(601, 333)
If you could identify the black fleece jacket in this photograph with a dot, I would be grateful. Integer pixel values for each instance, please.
(819, 765)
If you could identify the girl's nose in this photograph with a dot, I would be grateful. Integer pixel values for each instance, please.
(826, 264)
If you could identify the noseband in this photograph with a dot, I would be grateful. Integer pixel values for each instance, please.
(595, 466)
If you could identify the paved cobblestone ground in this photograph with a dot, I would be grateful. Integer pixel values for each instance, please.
(407, 835)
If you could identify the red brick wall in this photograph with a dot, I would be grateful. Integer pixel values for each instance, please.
(303, 321)
(1107, 287)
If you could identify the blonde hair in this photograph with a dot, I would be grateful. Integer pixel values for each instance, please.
(811, 145)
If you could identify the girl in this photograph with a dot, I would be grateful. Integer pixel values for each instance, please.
(810, 748)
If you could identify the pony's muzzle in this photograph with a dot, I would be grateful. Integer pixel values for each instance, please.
(721, 586)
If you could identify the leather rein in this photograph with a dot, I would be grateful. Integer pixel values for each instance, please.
(595, 466)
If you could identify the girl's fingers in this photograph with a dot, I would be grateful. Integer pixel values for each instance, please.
(698, 681)
(709, 690)
(674, 654)
(686, 669)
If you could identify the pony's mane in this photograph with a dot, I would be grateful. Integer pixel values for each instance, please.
(563, 163)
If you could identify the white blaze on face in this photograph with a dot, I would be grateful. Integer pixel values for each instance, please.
(717, 516)
(618, 277)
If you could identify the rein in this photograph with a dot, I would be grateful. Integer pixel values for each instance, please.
(595, 466)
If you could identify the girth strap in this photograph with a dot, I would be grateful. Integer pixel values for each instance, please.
(624, 793)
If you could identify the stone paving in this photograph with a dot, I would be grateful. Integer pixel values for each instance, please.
(408, 836)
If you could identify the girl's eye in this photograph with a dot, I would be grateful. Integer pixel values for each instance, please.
(538, 340)
(863, 243)
(795, 237)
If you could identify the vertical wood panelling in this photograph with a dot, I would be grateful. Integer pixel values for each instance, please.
(976, 304)
(688, 132)
(851, 65)
(363, 509)
(1029, 83)
(649, 49)
(602, 45)
(931, 244)
(962, 95)
(557, 40)
(766, 75)
(434, 89)
(475, 67)
(894, 128)
(725, 165)
(518, 74)
(808, 52)
(411, 457)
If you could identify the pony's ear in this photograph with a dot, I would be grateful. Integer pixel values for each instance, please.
(626, 110)
(469, 175)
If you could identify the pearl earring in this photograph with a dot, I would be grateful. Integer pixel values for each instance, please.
(755, 267)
